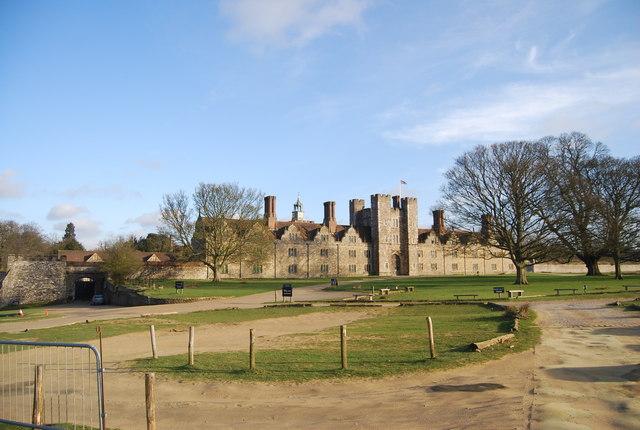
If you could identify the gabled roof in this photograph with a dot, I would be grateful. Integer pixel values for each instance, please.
(98, 256)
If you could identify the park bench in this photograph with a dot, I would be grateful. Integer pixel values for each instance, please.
(565, 289)
(368, 296)
(465, 295)
(385, 291)
(626, 287)
(408, 288)
(515, 293)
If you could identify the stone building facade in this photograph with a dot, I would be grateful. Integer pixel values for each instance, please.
(383, 239)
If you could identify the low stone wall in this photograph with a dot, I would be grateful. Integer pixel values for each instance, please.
(123, 296)
(580, 268)
(33, 280)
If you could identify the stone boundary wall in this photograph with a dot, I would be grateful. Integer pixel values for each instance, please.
(580, 268)
(123, 296)
(33, 280)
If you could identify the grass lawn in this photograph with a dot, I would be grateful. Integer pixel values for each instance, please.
(30, 313)
(227, 288)
(81, 333)
(444, 287)
(393, 342)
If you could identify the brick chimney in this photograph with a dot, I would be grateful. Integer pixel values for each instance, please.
(330, 216)
(438, 222)
(487, 227)
(270, 212)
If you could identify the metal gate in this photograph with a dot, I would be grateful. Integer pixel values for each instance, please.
(49, 385)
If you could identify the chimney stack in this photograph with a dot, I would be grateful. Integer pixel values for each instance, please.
(486, 225)
(330, 216)
(270, 212)
(438, 222)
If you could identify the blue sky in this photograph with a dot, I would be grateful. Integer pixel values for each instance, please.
(105, 106)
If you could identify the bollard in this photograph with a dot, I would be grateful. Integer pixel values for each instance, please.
(343, 346)
(154, 349)
(252, 352)
(192, 335)
(150, 400)
(38, 397)
(432, 346)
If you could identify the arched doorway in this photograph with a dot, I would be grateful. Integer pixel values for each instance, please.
(395, 261)
(85, 288)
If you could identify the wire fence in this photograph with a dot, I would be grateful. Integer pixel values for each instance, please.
(48, 385)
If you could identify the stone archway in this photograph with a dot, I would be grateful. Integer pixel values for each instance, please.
(85, 288)
(396, 263)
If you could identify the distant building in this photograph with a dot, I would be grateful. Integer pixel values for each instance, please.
(381, 240)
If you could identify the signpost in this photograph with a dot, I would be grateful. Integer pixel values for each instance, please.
(179, 287)
(498, 290)
(287, 291)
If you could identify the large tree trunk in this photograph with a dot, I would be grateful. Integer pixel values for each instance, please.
(521, 274)
(618, 266)
(592, 265)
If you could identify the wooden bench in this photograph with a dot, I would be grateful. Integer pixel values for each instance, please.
(407, 289)
(369, 296)
(465, 295)
(626, 287)
(385, 291)
(515, 293)
(565, 289)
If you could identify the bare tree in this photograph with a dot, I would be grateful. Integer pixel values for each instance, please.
(228, 228)
(570, 208)
(619, 207)
(504, 181)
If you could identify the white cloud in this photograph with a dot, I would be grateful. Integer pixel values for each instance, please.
(151, 219)
(526, 111)
(266, 23)
(115, 190)
(8, 187)
(65, 211)
(151, 164)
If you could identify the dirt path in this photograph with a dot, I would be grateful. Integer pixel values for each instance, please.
(583, 375)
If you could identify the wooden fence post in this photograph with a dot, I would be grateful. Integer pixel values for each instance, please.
(154, 349)
(343, 346)
(38, 397)
(432, 346)
(150, 398)
(192, 335)
(252, 352)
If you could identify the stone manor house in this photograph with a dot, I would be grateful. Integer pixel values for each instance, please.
(383, 239)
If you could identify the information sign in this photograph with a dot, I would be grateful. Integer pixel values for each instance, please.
(287, 290)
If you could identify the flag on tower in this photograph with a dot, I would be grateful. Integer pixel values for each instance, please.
(403, 182)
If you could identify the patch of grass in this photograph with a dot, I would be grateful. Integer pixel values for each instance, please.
(444, 287)
(391, 343)
(227, 288)
(30, 313)
(83, 332)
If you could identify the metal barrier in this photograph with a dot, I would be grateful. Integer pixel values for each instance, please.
(49, 385)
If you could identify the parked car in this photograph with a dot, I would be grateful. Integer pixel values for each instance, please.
(97, 299)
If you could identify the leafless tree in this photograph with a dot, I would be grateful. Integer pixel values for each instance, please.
(505, 181)
(228, 227)
(571, 163)
(619, 208)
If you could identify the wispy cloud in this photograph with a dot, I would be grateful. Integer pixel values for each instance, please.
(65, 211)
(9, 187)
(151, 164)
(522, 110)
(115, 190)
(285, 23)
(148, 220)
